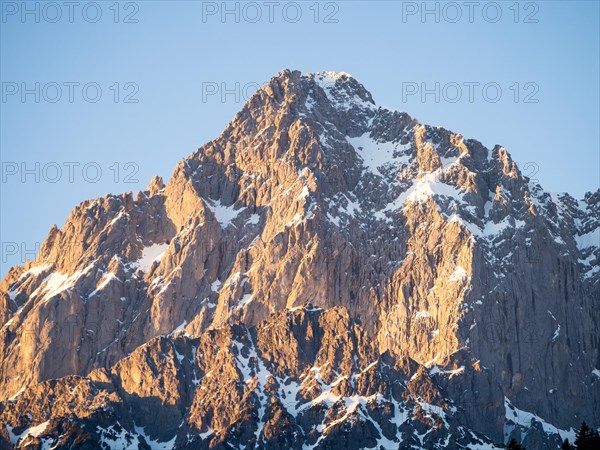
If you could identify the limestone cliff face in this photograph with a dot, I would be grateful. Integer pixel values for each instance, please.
(444, 251)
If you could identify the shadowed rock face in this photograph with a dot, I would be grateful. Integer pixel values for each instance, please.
(474, 290)
(301, 377)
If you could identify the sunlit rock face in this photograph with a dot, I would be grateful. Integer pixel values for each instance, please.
(326, 273)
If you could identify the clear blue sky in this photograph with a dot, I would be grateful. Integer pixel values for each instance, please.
(174, 50)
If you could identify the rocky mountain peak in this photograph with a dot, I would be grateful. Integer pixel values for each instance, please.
(339, 88)
(317, 235)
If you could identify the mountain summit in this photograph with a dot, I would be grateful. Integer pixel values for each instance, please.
(325, 274)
